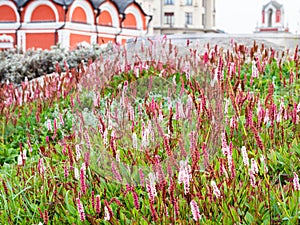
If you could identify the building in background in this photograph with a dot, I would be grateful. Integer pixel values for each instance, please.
(180, 16)
(272, 19)
(43, 23)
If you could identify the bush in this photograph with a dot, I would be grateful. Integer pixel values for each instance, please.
(15, 65)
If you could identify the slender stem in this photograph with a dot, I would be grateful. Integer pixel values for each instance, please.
(3, 129)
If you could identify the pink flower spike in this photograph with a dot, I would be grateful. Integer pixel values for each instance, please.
(245, 156)
(80, 210)
(296, 182)
(252, 179)
(49, 125)
(61, 120)
(254, 70)
(66, 171)
(184, 175)
(93, 199)
(216, 190)
(195, 210)
(254, 167)
(136, 199)
(82, 180)
(98, 204)
(115, 172)
(225, 147)
(150, 186)
(41, 168)
(55, 125)
(106, 214)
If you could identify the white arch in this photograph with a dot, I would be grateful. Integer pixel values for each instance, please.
(137, 14)
(274, 23)
(86, 8)
(107, 6)
(32, 6)
(13, 6)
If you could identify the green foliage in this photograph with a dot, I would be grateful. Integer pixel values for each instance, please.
(95, 145)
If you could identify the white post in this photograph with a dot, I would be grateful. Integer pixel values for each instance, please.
(64, 39)
(22, 40)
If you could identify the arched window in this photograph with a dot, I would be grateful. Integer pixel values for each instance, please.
(270, 15)
(81, 12)
(130, 21)
(79, 15)
(109, 14)
(7, 14)
(105, 19)
(43, 13)
(134, 18)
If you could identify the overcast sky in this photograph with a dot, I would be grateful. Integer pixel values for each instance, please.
(242, 16)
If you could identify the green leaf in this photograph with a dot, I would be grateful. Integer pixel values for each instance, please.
(70, 208)
(249, 218)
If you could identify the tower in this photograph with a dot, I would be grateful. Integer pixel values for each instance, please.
(272, 19)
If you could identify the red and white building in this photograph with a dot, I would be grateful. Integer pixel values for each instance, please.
(43, 23)
(272, 18)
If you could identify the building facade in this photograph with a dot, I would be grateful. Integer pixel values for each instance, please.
(272, 19)
(180, 16)
(43, 23)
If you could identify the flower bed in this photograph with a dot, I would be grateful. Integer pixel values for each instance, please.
(150, 136)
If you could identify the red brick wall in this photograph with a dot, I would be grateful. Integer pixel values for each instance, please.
(39, 40)
(77, 38)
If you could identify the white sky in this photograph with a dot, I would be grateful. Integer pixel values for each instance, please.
(242, 16)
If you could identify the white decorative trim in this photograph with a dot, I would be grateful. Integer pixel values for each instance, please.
(9, 26)
(107, 6)
(6, 38)
(6, 45)
(7, 32)
(32, 6)
(39, 31)
(106, 36)
(79, 26)
(110, 30)
(86, 8)
(132, 32)
(87, 33)
(13, 6)
(42, 25)
(137, 14)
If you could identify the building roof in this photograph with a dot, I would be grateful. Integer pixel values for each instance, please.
(274, 3)
(20, 3)
(64, 2)
(120, 4)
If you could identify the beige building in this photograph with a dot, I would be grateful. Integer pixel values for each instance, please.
(180, 16)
